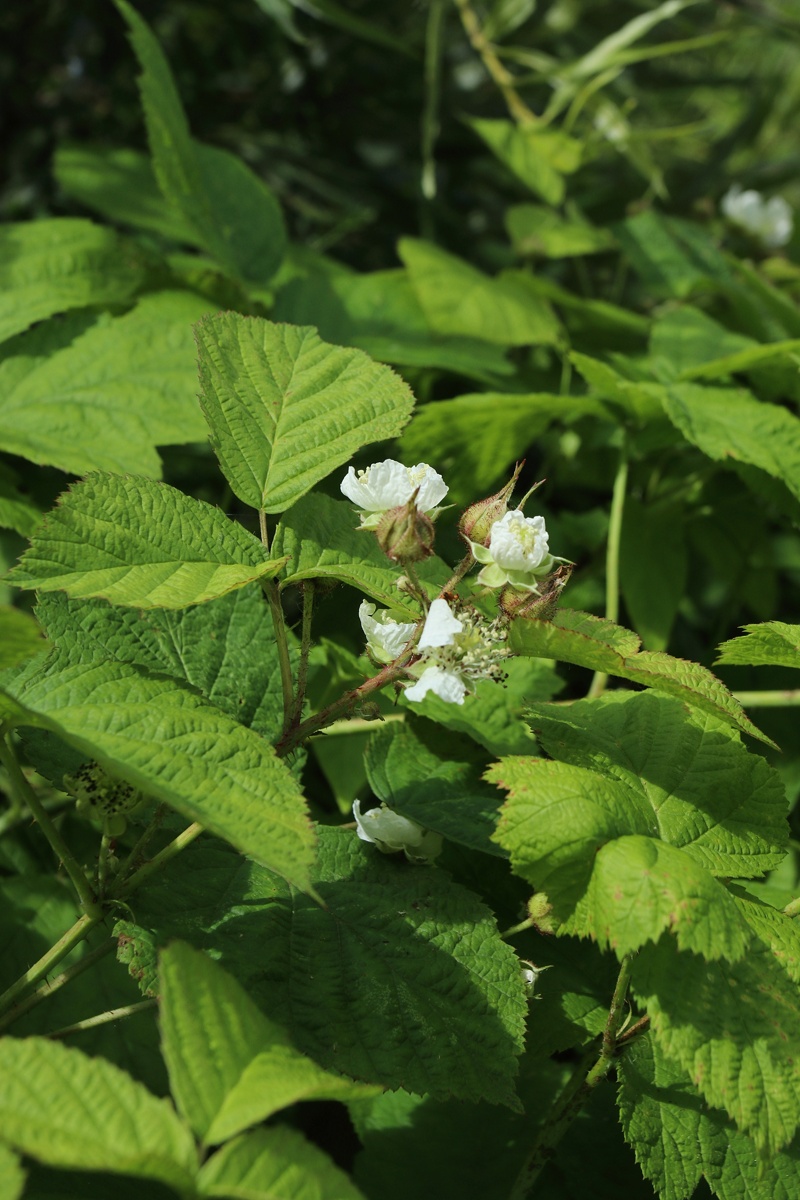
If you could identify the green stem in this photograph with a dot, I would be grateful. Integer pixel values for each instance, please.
(73, 937)
(503, 78)
(24, 791)
(273, 594)
(136, 857)
(104, 1018)
(461, 570)
(272, 591)
(528, 923)
(46, 989)
(430, 112)
(17, 814)
(359, 725)
(307, 589)
(577, 1090)
(600, 678)
(768, 699)
(134, 881)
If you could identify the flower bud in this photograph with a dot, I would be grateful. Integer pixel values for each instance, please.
(516, 602)
(405, 534)
(477, 520)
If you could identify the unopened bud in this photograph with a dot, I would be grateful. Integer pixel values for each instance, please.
(405, 534)
(542, 605)
(477, 520)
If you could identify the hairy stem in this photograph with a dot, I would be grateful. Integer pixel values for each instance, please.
(586, 1077)
(104, 1018)
(600, 679)
(273, 594)
(50, 986)
(135, 858)
(307, 589)
(502, 77)
(24, 792)
(73, 937)
(126, 886)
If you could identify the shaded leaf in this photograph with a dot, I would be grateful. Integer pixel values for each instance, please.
(274, 1164)
(539, 157)
(771, 643)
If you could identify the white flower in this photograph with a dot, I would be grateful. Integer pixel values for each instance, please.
(771, 221)
(530, 976)
(518, 553)
(447, 685)
(390, 832)
(441, 626)
(385, 637)
(388, 484)
(453, 651)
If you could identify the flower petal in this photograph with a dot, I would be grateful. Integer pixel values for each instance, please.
(447, 685)
(441, 626)
(385, 637)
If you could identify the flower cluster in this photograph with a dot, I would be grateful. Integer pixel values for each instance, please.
(453, 652)
(769, 221)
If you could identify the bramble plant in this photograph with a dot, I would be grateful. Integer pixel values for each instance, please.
(353, 847)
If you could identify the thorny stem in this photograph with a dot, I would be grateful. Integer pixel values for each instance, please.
(102, 863)
(768, 699)
(104, 1018)
(17, 814)
(600, 678)
(326, 716)
(25, 792)
(138, 877)
(74, 935)
(577, 1090)
(503, 78)
(45, 990)
(461, 570)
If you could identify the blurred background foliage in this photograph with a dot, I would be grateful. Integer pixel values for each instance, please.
(327, 102)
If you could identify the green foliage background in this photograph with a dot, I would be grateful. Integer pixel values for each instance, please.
(507, 217)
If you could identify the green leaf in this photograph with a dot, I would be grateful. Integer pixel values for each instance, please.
(536, 230)
(224, 648)
(144, 544)
(435, 778)
(419, 989)
(494, 715)
(653, 568)
(49, 266)
(177, 748)
(65, 1109)
(733, 1027)
(285, 408)
(234, 216)
(593, 642)
(590, 843)
(119, 184)
(686, 339)
(322, 540)
(672, 257)
(475, 438)
(771, 643)
(709, 795)
(379, 312)
(125, 386)
(730, 425)
(12, 1175)
(20, 637)
(230, 1067)
(677, 1138)
(539, 157)
(274, 1164)
(640, 401)
(458, 299)
(17, 512)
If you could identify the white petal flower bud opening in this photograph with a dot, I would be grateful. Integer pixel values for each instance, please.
(388, 484)
(519, 543)
(390, 832)
(386, 638)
